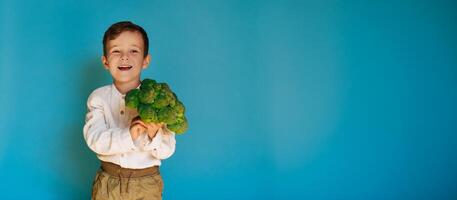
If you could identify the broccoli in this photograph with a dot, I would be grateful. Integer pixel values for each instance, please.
(147, 96)
(180, 127)
(179, 107)
(158, 86)
(146, 84)
(131, 98)
(147, 113)
(167, 115)
(160, 101)
(164, 86)
(171, 98)
(157, 103)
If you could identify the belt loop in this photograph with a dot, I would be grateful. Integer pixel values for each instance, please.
(128, 181)
(120, 180)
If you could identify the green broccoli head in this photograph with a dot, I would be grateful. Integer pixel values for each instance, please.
(179, 127)
(147, 84)
(160, 101)
(132, 99)
(147, 95)
(179, 108)
(170, 97)
(165, 87)
(156, 102)
(158, 87)
(167, 115)
(147, 113)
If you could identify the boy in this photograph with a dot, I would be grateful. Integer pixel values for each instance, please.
(130, 150)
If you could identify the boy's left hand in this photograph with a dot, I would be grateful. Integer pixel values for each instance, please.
(151, 128)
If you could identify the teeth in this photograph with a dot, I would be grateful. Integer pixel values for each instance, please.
(124, 67)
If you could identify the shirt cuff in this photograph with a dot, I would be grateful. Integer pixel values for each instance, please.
(155, 142)
(126, 140)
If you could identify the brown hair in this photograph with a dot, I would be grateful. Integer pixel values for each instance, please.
(117, 28)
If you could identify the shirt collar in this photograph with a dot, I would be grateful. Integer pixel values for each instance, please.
(117, 93)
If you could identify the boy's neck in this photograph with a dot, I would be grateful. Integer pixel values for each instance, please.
(124, 87)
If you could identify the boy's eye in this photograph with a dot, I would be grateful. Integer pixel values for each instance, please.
(134, 51)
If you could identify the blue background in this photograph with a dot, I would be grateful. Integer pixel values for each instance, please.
(286, 99)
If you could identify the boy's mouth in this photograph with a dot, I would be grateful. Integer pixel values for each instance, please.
(124, 67)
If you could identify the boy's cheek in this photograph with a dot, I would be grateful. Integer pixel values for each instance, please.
(113, 58)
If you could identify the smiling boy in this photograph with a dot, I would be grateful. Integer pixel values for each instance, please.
(130, 150)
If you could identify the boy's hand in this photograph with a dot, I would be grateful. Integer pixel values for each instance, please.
(136, 128)
(150, 128)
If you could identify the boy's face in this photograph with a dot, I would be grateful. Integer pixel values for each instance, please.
(124, 57)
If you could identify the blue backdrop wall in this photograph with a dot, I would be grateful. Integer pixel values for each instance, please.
(286, 99)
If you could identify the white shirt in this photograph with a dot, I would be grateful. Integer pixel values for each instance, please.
(107, 133)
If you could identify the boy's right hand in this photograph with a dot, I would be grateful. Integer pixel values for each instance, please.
(136, 128)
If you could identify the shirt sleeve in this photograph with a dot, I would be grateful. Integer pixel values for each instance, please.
(101, 139)
(163, 145)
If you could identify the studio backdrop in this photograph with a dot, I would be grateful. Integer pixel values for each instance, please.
(285, 99)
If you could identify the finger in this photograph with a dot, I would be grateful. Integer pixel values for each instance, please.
(158, 125)
(149, 125)
(152, 133)
(134, 133)
(143, 123)
(139, 122)
(154, 126)
(138, 129)
(136, 118)
(135, 123)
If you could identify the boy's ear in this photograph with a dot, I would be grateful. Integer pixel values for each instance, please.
(146, 61)
(105, 62)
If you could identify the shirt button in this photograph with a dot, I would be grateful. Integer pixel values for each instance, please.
(122, 112)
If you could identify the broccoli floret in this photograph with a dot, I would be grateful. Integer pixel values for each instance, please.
(179, 108)
(165, 87)
(180, 127)
(147, 113)
(160, 101)
(132, 99)
(147, 95)
(167, 115)
(158, 87)
(180, 119)
(147, 84)
(171, 97)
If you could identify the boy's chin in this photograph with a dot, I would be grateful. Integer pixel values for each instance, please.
(126, 79)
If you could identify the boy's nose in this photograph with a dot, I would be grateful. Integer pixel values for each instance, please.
(124, 57)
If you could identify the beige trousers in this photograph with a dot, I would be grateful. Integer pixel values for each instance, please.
(109, 186)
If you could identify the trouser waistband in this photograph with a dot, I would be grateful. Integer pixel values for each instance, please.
(116, 170)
